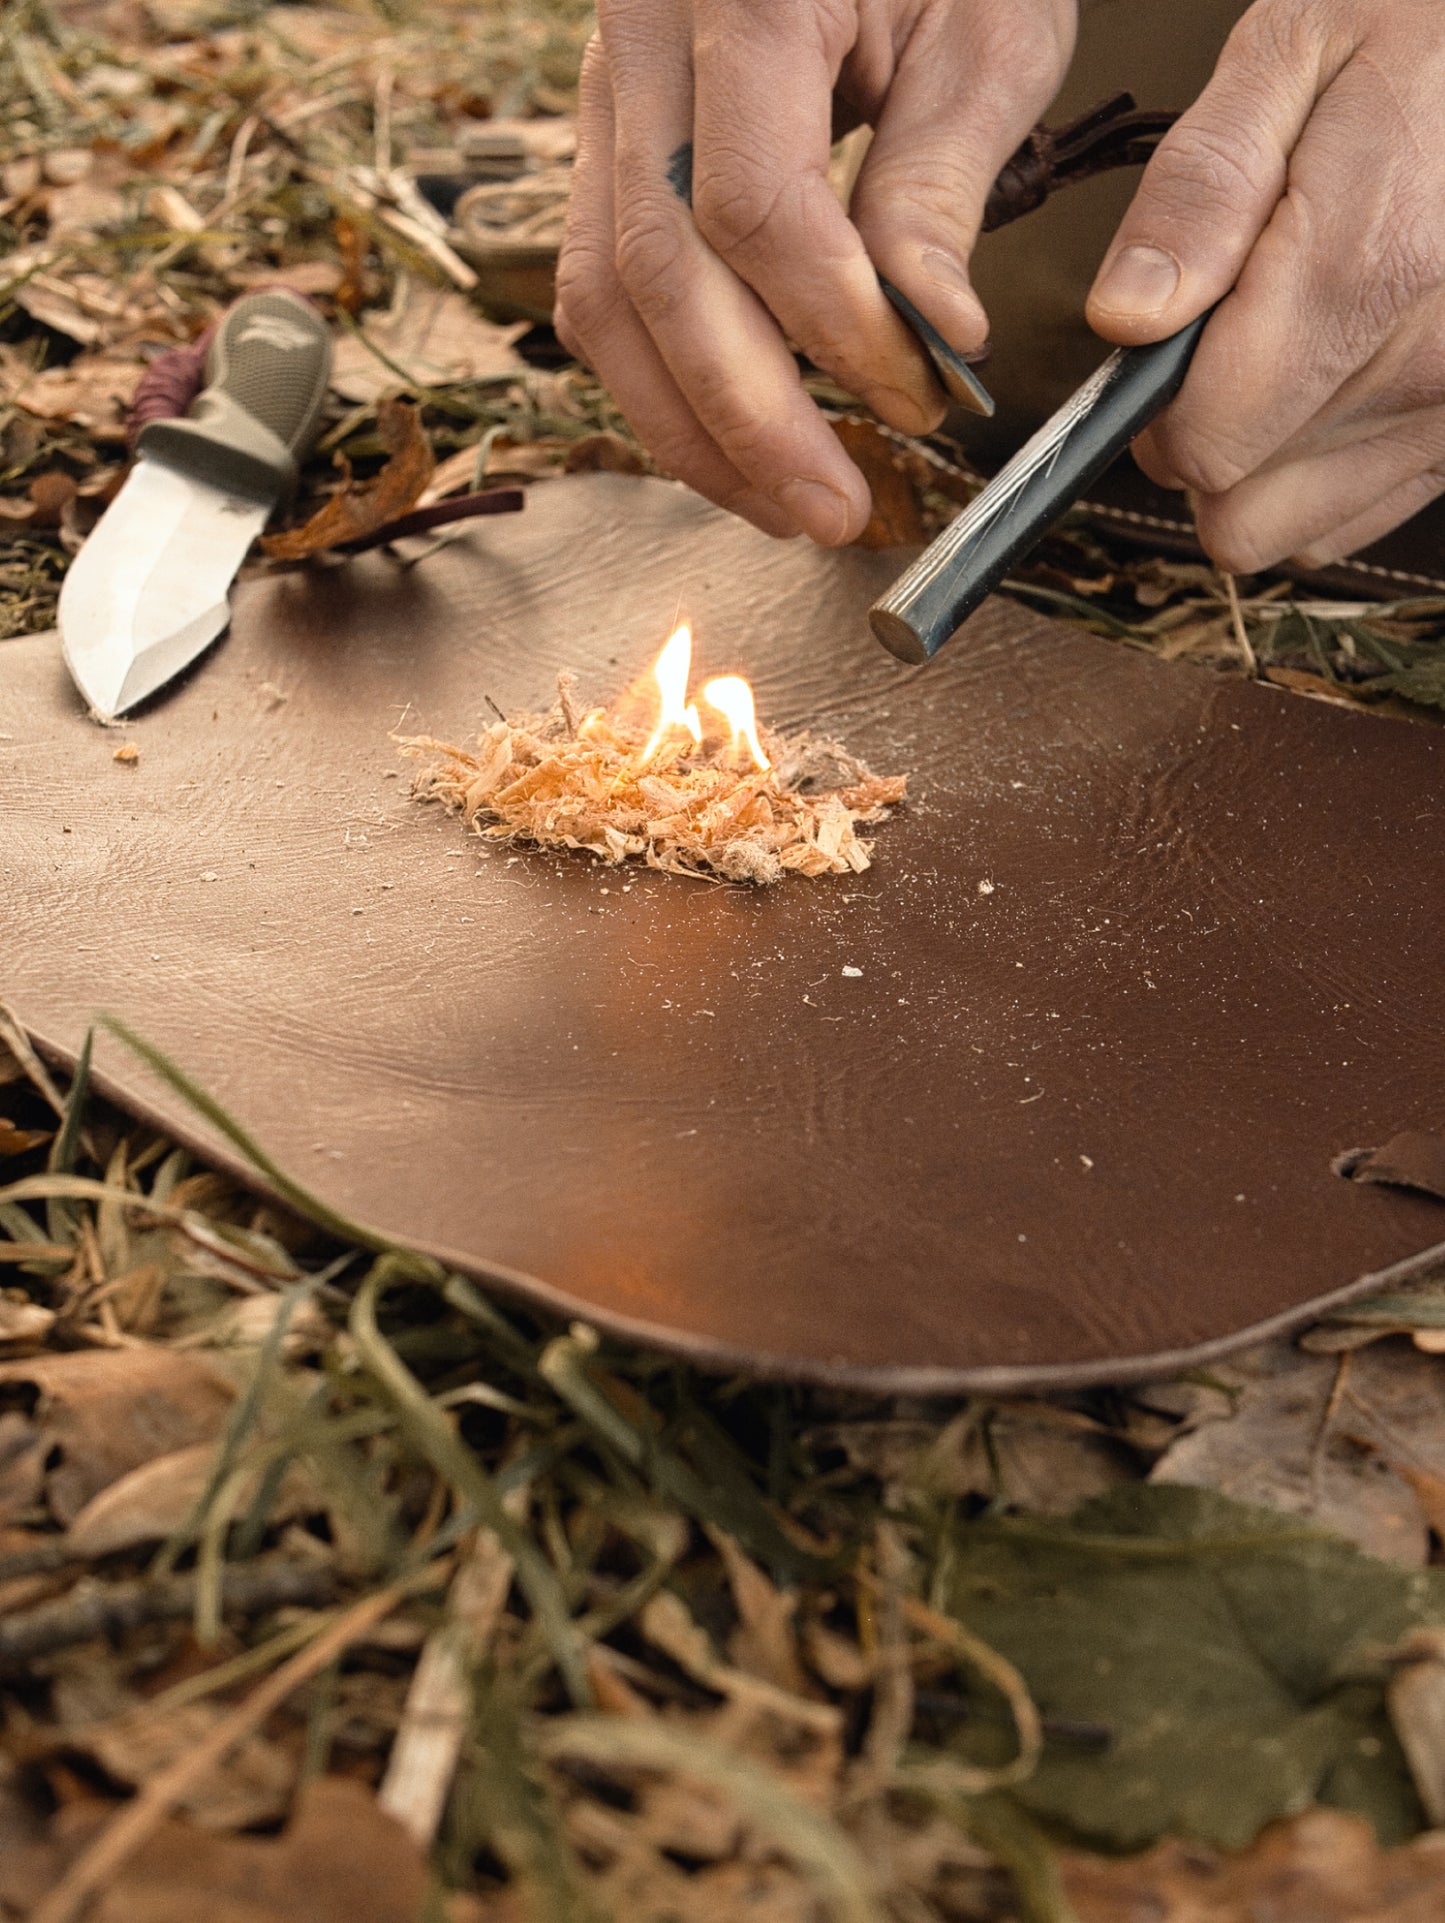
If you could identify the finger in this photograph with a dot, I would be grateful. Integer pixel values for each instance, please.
(723, 349)
(1379, 520)
(1210, 189)
(1295, 507)
(970, 83)
(596, 322)
(763, 202)
(1323, 324)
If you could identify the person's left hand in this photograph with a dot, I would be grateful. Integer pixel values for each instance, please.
(1309, 177)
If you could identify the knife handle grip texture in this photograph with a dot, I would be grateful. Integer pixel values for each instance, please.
(931, 599)
(267, 374)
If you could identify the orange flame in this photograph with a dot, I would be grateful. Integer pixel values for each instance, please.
(733, 699)
(671, 672)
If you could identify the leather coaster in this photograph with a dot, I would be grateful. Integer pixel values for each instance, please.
(1051, 1094)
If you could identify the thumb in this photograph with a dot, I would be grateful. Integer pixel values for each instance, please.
(971, 81)
(1209, 191)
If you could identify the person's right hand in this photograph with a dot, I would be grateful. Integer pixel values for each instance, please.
(686, 311)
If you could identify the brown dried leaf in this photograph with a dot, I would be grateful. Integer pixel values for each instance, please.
(340, 1860)
(18, 1141)
(252, 1786)
(155, 1498)
(355, 511)
(44, 507)
(434, 335)
(94, 392)
(1322, 1867)
(1303, 1440)
(897, 519)
(604, 453)
(22, 1321)
(765, 1641)
(22, 1465)
(104, 1412)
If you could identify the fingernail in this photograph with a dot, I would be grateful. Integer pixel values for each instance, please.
(822, 511)
(1138, 280)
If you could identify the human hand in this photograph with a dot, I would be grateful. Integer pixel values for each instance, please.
(1309, 177)
(683, 311)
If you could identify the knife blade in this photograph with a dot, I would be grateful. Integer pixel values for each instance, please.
(149, 590)
(931, 599)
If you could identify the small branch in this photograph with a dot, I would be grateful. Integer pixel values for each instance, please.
(106, 1857)
(113, 1608)
(1236, 615)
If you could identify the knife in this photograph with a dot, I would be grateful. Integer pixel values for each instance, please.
(930, 601)
(148, 591)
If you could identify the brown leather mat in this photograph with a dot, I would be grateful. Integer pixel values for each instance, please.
(1078, 1127)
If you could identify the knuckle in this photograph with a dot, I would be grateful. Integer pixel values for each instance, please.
(649, 260)
(1207, 461)
(737, 428)
(586, 301)
(1274, 35)
(1211, 172)
(937, 190)
(733, 202)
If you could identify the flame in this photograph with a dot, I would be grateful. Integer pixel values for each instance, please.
(733, 699)
(671, 671)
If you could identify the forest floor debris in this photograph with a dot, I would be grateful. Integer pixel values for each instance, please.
(330, 1590)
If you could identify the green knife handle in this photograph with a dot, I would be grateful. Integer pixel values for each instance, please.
(267, 374)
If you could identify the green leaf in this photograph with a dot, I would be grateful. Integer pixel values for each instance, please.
(1233, 1656)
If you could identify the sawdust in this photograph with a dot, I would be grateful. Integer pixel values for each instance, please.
(572, 780)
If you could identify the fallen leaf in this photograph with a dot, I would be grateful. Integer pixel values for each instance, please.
(93, 392)
(252, 1786)
(1231, 1658)
(316, 279)
(155, 1498)
(1416, 1697)
(604, 453)
(44, 506)
(434, 336)
(102, 1412)
(355, 511)
(339, 1860)
(1321, 1867)
(1032, 1455)
(897, 519)
(24, 1321)
(1295, 1444)
(765, 1640)
(22, 1465)
(19, 1141)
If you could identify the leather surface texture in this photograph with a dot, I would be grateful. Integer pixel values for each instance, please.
(1051, 1094)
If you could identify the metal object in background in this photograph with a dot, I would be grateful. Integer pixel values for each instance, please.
(148, 591)
(931, 600)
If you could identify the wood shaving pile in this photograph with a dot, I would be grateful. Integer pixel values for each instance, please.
(572, 780)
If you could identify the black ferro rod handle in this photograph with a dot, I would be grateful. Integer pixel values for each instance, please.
(931, 600)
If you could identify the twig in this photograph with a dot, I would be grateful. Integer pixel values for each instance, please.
(112, 1609)
(99, 1864)
(1236, 616)
(434, 1721)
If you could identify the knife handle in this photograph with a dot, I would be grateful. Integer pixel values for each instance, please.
(267, 374)
(931, 600)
